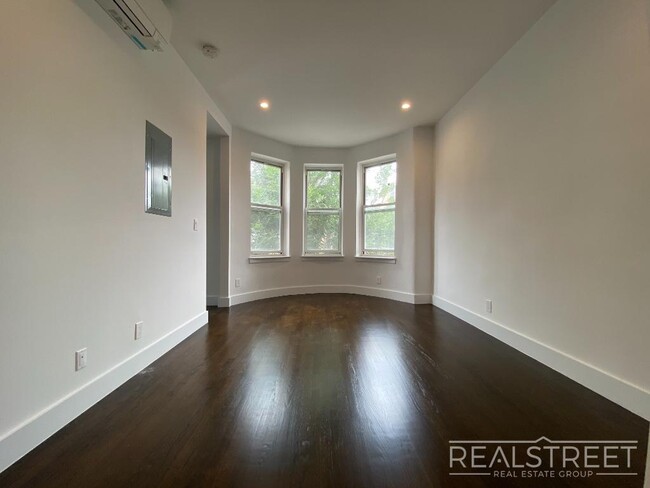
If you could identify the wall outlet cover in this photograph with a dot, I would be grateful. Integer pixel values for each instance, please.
(80, 359)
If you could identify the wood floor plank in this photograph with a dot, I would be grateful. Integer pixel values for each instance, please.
(324, 391)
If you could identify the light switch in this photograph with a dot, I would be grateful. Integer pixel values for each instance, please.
(138, 330)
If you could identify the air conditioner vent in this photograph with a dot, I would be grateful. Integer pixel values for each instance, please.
(136, 23)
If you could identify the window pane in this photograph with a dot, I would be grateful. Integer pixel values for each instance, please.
(323, 231)
(379, 228)
(265, 230)
(266, 184)
(323, 189)
(380, 184)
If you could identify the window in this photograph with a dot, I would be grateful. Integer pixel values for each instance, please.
(323, 211)
(378, 209)
(267, 209)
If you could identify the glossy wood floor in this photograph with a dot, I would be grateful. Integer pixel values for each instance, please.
(323, 390)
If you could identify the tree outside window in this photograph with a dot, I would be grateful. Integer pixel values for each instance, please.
(323, 211)
(378, 212)
(266, 208)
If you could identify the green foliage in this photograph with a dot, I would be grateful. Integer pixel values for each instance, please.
(379, 220)
(323, 212)
(265, 230)
(266, 223)
(380, 230)
(323, 189)
(323, 227)
(323, 231)
(266, 184)
(380, 184)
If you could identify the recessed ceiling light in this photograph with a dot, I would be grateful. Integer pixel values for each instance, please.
(264, 104)
(406, 106)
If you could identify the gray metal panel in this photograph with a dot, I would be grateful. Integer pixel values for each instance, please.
(158, 169)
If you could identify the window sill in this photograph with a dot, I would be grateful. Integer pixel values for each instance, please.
(322, 256)
(267, 259)
(377, 259)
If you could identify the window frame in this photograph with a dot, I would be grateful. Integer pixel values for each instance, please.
(362, 251)
(326, 211)
(283, 208)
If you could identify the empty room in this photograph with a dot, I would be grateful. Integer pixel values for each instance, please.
(310, 243)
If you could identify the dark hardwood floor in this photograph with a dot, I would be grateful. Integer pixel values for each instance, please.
(325, 390)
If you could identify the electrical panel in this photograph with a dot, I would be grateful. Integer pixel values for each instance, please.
(158, 171)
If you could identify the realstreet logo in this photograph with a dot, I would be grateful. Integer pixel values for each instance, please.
(542, 458)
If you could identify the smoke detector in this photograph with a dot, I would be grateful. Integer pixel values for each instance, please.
(210, 51)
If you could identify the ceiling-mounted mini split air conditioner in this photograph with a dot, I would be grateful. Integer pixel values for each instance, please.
(146, 22)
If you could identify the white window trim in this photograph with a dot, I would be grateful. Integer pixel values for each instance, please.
(361, 188)
(377, 259)
(267, 259)
(321, 255)
(256, 257)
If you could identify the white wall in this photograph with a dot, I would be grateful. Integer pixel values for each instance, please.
(259, 276)
(407, 279)
(423, 204)
(213, 217)
(225, 220)
(543, 191)
(80, 260)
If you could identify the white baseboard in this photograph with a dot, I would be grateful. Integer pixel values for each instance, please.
(25, 437)
(306, 290)
(216, 301)
(628, 395)
(221, 302)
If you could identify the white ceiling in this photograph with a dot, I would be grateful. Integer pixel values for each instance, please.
(335, 71)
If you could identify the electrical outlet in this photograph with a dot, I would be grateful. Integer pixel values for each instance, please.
(138, 330)
(237, 282)
(378, 280)
(195, 225)
(80, 359)
(488, 306)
